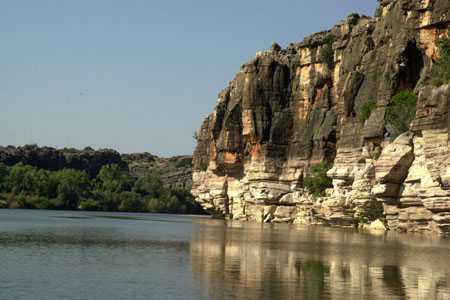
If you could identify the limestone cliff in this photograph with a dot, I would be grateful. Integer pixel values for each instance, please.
(288, 109)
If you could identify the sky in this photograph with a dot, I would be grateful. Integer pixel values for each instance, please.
(135, 75)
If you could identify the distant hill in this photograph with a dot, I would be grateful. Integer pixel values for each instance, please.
(176, 172)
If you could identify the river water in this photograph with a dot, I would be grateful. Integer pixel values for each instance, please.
(79, 255)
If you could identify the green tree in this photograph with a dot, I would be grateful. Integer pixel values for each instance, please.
(4, 174)
(131, 202)
(150, 185)
(72, 189)
(107, 201)
(21, 179)
(154, 205)
(35, 202)
(24, 201)
(73, 185)
(112, 178)
(45, 184)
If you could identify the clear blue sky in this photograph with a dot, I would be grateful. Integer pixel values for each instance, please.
(135, 75)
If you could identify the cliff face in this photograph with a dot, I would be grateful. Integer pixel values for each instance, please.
(176, 172)
(289, 109)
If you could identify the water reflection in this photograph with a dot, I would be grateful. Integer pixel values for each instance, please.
(77, 255)
(252, 261)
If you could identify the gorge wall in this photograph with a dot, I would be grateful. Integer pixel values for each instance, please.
(176, 171)
(289, 109)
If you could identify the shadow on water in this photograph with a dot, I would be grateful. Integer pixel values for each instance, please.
(57, 240)
(70, 217)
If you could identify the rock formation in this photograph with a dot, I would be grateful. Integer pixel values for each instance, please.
(289, 109)
(176, 172)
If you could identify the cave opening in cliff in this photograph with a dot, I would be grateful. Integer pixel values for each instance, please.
(411, 66)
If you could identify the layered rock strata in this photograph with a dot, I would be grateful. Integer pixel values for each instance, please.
(176, 171)
(289, 109)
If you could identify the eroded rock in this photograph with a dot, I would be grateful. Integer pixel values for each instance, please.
(289, 109)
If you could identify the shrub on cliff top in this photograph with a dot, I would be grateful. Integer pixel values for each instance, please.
(317, 181)
(402, 110)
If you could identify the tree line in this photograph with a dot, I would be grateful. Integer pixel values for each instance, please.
(113, 189)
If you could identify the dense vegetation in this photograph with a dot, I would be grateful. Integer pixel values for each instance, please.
(401, 111)
(48, 158)
(113, 189)
(317, 181)
(441, 69)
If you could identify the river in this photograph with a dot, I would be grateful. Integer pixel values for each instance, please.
(89, 255)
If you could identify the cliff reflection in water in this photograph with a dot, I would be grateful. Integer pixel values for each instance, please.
(252, 261)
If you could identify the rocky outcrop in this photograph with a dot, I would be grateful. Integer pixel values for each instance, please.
(140, 164)
(176, 172)
(289, 109)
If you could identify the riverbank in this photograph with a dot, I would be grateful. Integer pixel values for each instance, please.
(112, 189)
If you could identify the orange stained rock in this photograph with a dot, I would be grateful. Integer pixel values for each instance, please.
(427, 41)
(230, 158)
(256, 152)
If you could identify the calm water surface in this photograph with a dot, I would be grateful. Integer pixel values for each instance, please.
(79, 255)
